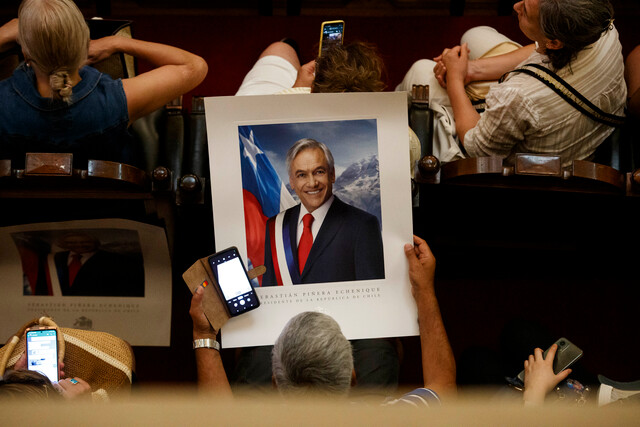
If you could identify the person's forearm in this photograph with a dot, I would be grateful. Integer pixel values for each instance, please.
(8, 35)
(632, 72)
(465, 116)
(438, 363)
(632, 77)
(634, 104)
(155, 53)
(211, 374)
(494, 67)
(534, 396)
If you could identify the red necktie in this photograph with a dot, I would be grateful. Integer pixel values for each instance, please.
(74, 267)
(306, 241)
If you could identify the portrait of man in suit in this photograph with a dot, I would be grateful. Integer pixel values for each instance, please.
(85, 269)
(322, 238)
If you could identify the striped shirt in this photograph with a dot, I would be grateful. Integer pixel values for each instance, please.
(525, 116)
(420, 397)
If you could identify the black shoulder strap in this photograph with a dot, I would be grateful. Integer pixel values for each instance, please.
(568, 93)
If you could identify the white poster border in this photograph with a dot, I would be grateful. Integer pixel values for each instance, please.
(364, 309)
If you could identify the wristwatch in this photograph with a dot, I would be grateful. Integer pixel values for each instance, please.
(206, 343)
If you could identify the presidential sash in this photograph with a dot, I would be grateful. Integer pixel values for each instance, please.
(282, 252)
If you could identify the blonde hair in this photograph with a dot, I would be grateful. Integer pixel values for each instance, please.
(55, 38)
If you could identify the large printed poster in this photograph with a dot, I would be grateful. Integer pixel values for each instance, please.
(105, 275)
(274, 158)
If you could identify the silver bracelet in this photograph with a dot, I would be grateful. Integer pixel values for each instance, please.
(206, 343)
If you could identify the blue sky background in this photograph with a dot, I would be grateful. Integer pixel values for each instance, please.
(348, 140)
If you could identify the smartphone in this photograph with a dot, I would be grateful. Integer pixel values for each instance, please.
(331, 33)
(566, 355)
(232, 281)
(42, 352)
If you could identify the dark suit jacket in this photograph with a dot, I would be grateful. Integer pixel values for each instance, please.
(348, 247)
(104, 274)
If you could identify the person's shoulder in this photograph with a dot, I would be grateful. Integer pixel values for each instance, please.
(94, 77)
(517, 89)
(346, 207)
(20, 75)
(420, 397)
(288, 210)
(350, 213)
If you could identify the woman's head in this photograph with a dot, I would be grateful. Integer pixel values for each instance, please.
(55, 39)
(355, 67)
(575, 24)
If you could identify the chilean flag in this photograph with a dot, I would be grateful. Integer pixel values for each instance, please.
(263, 192)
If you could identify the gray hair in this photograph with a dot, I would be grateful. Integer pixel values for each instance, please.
(55, 37)
(311, 355)
(575, 23)
(305, 144)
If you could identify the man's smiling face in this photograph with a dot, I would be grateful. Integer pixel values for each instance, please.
(311, 178)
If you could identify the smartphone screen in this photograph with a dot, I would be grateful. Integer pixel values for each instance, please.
(332, 33)
(231, 275)
(42, 352)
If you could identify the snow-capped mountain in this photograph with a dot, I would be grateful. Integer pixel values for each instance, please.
(359, 186)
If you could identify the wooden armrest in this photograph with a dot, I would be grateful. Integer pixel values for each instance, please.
(5, 168)
(117, 171)
(538, 165)
(542, 172)
(48, 164)
(598, 172)
(472, 166)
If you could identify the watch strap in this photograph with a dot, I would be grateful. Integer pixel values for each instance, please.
(206, 343)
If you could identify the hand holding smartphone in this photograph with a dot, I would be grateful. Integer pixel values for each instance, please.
(232, 282)
(42, 352)
(331, 33)
(566, 355)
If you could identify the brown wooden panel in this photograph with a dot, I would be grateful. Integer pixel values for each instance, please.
(472, 166)
(536, 164)
(5, 168)
(118, 171)
(48, 164)
(598, 172)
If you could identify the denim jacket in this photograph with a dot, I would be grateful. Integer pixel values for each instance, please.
(92, 126)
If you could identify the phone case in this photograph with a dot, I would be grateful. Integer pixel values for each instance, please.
(566, 355)
(214, 307)
(322, 33)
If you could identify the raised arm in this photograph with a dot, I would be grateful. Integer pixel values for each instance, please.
(484, 69)
(494, 67)
(211, 374)
(438, 363)
(9, 35)
(177, 72)
(632, 77)
(456, 61)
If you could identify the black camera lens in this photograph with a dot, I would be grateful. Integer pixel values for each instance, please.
(561, 343)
